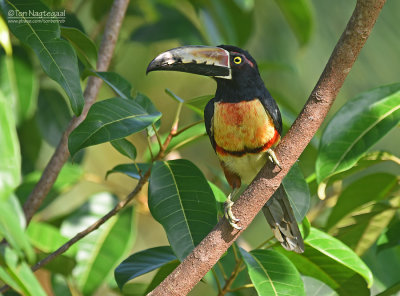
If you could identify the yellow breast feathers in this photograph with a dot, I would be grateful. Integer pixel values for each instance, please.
(242, 126)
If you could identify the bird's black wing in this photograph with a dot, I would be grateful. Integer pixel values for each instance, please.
(208, 116)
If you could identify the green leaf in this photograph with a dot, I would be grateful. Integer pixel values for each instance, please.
(297, 191)
(272, 273)
(56, 56)
(314, 287)
(172, 24)
(22, 274)
(125, 147)
(118, 84)
(141, 263)
(392, 290)
(47, 238)
(198, 104)
(220, 21)
(299, 15)
(219, 195)
(390, 237)
(99, 253)
(355, 128)
(161, 274)
(362, 228)
(332, 262)
(109, 120)
(12, 223)
(372, 187)
(183, 202)
(10, 158)
(53, 115)
(363, 163)
(84, 47)
(130, 169)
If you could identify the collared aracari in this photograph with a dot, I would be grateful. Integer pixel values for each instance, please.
(243, 123)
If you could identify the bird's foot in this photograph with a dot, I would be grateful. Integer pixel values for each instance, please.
(272, 157)
(229, 215)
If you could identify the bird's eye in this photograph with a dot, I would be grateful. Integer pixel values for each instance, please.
(237, 60)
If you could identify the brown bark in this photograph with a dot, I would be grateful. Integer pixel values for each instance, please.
(208, 252)
(61, 153)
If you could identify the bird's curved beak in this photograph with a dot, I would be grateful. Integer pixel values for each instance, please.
(202, 60)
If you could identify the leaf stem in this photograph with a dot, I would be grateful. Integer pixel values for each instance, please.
(157, 135)
(242, 287)
(232, 278)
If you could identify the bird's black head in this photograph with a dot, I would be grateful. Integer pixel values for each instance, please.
(234, 69)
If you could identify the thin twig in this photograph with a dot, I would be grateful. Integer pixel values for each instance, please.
(232, 278)
(216, 280)
(61, 153)
(215, 244)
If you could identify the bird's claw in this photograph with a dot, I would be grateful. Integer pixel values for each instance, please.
(229, 215)
(272, 158)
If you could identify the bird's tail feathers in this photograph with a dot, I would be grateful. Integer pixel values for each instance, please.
(280, 217)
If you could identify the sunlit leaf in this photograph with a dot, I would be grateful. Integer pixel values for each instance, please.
(10, 158)
(355, 128)
(47, 238)
(183, 202)
(12, 223)
(272, 273)
(84, 47)
(314, 287)
(372, 187)
(361, 228)
(56, 55)
(99, 253)
(141, 263)
(299, 15)
(109, 120)
(332, 262)
(21, 274)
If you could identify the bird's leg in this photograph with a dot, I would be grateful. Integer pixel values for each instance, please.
(272, 157)
(228, 210)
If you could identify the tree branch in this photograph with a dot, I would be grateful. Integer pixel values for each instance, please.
(212, 247)
(61, 153)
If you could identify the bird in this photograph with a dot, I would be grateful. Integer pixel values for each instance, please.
(243, 123)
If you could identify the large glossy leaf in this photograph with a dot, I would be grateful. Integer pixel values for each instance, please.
(272, 273)
(183, 202)
(53, 115)
(299, 15)
(118, 84)
(109, 120)
(358, 125)
(332, 262)
(141, 263)
(362, 228)
(372, 187)
(84, 47)
(10, 158)
(20, 274)
(99, 253)
(297, 191)
(56, 55)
